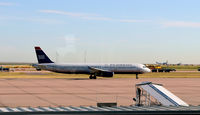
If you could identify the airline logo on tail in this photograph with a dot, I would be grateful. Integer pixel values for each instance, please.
(41, 56)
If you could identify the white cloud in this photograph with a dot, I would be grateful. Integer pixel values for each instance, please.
(45, 21)
(7, 4)
(68, 13)
(86, 16)
(97, 18)
(32, 19)
(89, 16)
(133, 21)
(181, 24)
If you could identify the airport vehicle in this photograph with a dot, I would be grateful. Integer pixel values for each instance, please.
(101, 70)
(163, 70)
(160, 69)
(4, 69)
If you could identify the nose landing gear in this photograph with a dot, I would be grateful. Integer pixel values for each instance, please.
(136, 76)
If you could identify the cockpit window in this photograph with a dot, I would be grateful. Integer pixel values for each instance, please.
(144, 67)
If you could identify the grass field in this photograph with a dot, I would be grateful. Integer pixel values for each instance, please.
(44, 74)
(163, 75)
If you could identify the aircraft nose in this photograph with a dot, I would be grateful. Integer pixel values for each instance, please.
(147, 70)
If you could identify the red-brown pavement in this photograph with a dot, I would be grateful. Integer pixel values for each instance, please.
(86, 92)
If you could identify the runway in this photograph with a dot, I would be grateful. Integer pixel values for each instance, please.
(85, 92)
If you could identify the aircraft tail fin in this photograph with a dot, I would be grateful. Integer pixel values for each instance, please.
(41, 56)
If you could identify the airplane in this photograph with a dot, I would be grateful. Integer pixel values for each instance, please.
(94, 70)
(164, 63)
(179, 63)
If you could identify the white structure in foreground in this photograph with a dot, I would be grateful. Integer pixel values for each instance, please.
(148, 94)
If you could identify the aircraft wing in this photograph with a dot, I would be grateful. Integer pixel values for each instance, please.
(101, 72)
(97, 70)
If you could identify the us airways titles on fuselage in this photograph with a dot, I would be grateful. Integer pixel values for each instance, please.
(94, 70)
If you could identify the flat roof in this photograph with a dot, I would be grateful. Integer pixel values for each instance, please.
(147, 82)
(134, 110)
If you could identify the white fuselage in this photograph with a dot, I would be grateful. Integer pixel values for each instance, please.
(84, 68)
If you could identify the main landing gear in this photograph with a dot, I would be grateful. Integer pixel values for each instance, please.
(136, 76)
(92, 76)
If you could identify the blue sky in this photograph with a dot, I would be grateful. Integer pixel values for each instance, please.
(129, 31)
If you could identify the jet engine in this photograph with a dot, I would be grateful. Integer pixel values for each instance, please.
(105, 74)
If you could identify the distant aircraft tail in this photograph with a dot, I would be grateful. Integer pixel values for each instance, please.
(41, 56)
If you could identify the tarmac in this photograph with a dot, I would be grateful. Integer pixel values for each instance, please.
(85, 92)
